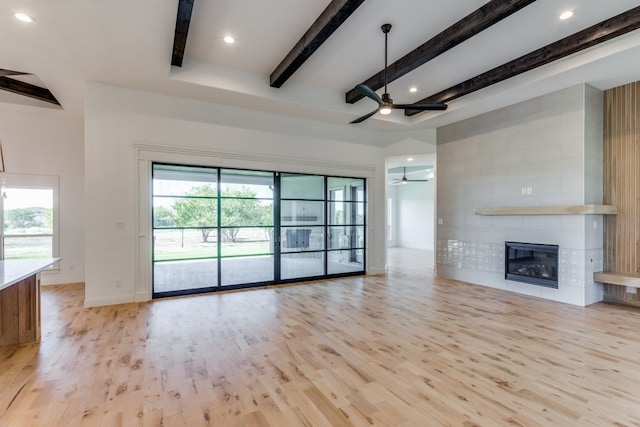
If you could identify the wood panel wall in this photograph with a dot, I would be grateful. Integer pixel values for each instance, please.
(622, 187)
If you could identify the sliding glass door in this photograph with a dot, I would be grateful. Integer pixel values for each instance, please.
(302, 226)
(221, 228)
(346, 225)
(185, 229)
(246, 227)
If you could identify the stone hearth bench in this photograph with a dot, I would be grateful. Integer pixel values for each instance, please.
(612, 278)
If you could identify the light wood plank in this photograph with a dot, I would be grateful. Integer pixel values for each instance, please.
(619, 279)
(404, 349)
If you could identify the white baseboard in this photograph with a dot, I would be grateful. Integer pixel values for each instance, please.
(111, 300)
(52, 278)
(142, 296)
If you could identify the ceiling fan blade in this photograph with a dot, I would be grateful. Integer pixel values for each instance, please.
(368, 92)
(421, 107)
(365, 117)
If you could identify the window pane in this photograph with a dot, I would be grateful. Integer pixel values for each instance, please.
(345, 261)
(184, 212)
(337, 213)
(239, 183)
(297, 186)
(169, 180)
(302, 265)
(28, 247)
(28, 211)
(247, 241)
(246, 212)
(184, 275)
(297, 239)
(346, 237)
(241, 270)
(352, 188)
(184, 244)
(301, 212)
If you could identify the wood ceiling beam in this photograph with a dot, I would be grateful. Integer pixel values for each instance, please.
(27, 89)
(472, 24)
(329, 20)
(183, 20)
(592, 36)
(4, 73)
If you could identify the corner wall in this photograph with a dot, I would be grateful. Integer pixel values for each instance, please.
(548, 144)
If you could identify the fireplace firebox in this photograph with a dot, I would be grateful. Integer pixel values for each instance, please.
(531, 263)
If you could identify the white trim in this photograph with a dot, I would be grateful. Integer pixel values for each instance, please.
(204, 157)
(115, 299)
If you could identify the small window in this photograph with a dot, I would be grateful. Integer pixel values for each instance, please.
(29, 216)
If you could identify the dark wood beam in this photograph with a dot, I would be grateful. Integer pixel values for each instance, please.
(26, 89)
(472, 24)
(329, 20)
(183, 20)
(4, 73)
(594, 35)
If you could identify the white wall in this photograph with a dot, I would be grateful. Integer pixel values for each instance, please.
(414, 215)
(124, 129)
(46, 142)
(547, 144)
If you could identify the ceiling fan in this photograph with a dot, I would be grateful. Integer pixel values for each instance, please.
(385, 104)
(404, 179)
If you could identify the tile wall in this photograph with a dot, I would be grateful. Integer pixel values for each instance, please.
(535, 153)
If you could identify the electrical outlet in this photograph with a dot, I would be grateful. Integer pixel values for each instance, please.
(118, 283)
(524, 191)
(529, 191)
(440, 221)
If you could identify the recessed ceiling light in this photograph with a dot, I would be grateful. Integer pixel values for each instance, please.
(409, 159)
(413, 89)
(229, 39)
(23, 17)
(566, 15)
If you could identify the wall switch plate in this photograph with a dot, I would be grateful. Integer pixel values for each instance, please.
(440, 221)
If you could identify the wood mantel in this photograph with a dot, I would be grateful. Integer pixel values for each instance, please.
(550, 210)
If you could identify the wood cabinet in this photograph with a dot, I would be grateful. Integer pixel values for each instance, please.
(20, 300)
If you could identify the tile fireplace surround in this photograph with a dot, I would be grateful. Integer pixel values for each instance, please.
(546, 151)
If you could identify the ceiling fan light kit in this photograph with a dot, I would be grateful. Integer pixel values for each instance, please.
(385, 104)
(405, 180)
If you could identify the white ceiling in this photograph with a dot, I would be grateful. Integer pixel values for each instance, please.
(129, 43)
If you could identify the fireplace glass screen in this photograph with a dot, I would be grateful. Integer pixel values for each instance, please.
(532, 263)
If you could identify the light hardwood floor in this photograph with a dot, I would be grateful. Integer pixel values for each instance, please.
(401, 350)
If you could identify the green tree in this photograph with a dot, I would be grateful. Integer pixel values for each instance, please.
(198, 210)
(163, 217)
(21, 219)
(239, 207)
